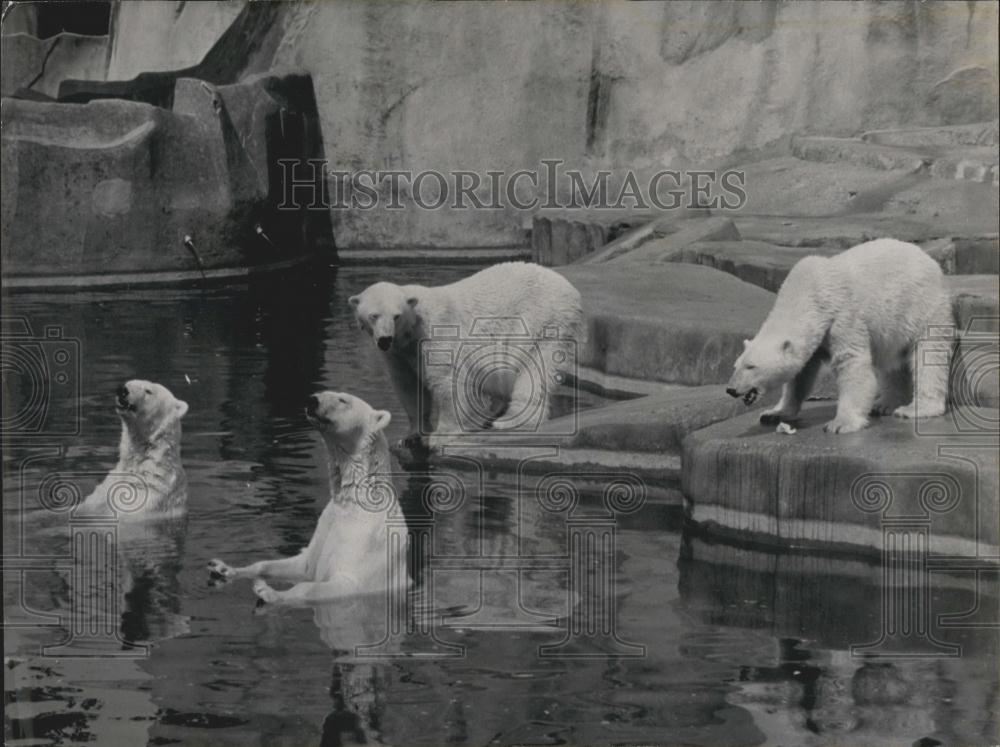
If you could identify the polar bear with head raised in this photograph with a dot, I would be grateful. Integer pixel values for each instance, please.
(349, 554)
(149, 469)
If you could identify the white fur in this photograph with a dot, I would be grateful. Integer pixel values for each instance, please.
(538, 298)
(149, 458)
(349, 553)
(865, 309)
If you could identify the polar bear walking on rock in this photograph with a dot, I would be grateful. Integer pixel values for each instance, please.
(350, 553)
(864, 310)
(487, 351)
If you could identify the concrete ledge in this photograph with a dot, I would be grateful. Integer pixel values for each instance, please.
(664, 238)
(590, 468)
(820, 490)
(982, 133)
(871, 155)
(767, 265)
(432, 255)
(673, 323)
(656, 424)
(977, 163)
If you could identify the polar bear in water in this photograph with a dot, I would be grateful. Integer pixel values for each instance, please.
(149, 481)
(349, 553)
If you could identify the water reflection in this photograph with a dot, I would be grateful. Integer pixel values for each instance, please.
(820, 685)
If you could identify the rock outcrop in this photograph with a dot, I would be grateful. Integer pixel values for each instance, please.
(116, 187)
(600, 86)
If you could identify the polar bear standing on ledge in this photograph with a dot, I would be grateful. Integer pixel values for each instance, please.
(865, 310)
(512, 329)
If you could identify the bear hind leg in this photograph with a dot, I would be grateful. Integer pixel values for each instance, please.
(930, 363)
(893, 389)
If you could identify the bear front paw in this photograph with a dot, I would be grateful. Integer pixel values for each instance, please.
(219, 573)
(773, 417)
(265, 594)
(879, 409)
(845, 425)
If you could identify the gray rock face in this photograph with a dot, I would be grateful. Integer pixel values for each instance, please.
(600, 86)
(820, 489)
(115, 186)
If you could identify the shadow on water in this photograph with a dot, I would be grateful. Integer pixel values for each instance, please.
(738, 646)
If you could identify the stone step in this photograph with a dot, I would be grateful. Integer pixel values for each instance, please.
(968, 163)
(656, 424)
(663, 239)
(980, 133)
(442, 255)
(977, 301)
(842, 491)
(767, 265)
(563, 236)
(667, 322)
(845, 231)
(870, 155)
(588, 469)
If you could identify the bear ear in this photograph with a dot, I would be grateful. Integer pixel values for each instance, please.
(746, 344)
(354, 301)
(413, 301)
(382, 418)
(181, 408)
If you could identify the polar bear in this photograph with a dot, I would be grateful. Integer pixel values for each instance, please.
(145, 495)
(149, 480)
(487, 351)
(864, 310)
(350, 553)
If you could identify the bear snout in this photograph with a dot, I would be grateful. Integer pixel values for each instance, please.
(122, 393)
(384, 342)
(312, 404)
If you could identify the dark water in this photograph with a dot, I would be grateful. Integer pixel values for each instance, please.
(711, 644)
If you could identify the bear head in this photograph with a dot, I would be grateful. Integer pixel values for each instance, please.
(766, 362)
(149, 412)
(345, 420)
(387, 312)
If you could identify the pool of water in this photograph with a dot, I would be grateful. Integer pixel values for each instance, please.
(662, 637)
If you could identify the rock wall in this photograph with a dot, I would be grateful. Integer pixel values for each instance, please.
(496, 86)
(165, 35)
(40, 65)
(125, 188)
